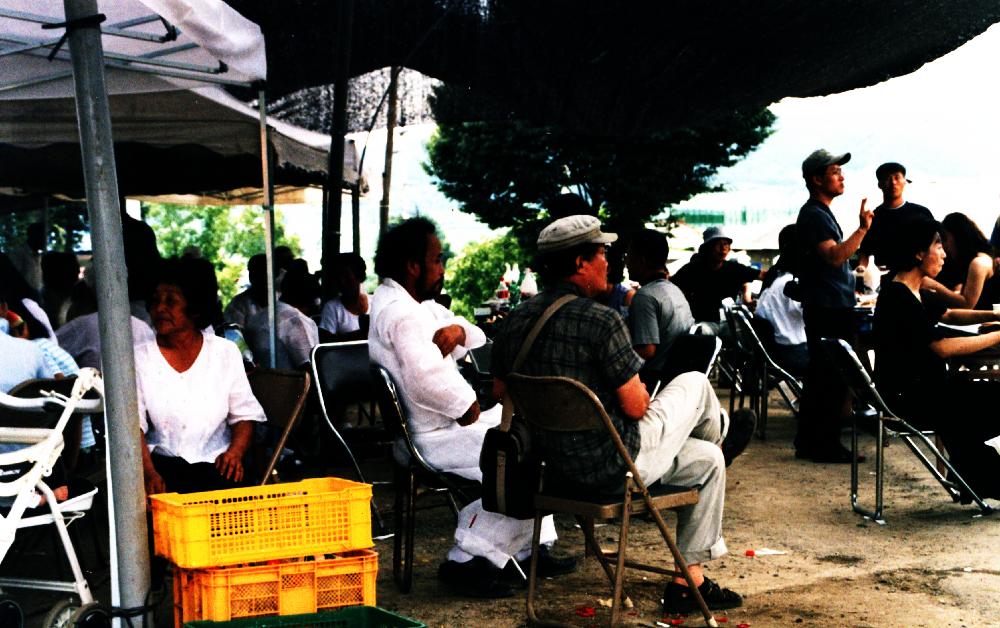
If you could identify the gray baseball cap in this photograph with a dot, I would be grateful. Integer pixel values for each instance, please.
(570, 231)
(817, 162)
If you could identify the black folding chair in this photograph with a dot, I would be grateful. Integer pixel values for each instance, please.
(282, 395)
(341, 372)
(342, 375)
(858, 379)
(410, 475)
(690, 353)
(475, 368)
(737, 362)
(762, 372)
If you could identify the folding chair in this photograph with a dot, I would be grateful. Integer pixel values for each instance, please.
(858, 379)
(690, 353)
(736, 362)
(410, 475)
(282, 394)
(564, 405)
(342, 377)
(762, 371)
(476, 370)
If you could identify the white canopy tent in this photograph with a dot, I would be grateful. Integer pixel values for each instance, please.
(88, 49)
(149, 46)
(207, 128)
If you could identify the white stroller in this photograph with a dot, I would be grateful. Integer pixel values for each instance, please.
(22, 486)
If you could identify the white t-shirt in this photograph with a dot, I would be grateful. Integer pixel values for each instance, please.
(297, 335)
(81, 338)
(189, 414)
(241, 308)
(783, 313)
(335, 318)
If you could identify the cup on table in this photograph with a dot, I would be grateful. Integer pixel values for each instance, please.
(996, 307)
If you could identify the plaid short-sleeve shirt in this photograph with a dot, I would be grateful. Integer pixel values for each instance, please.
(588, 342)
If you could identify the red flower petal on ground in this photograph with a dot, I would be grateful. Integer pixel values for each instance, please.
(585, 611)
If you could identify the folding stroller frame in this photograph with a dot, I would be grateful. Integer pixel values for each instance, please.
(40, 449)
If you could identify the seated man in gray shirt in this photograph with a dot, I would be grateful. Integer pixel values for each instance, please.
(659, 311)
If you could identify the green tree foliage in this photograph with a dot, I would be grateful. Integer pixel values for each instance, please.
(228, 236)
(473, 276)
(504, 171)
(67, 224)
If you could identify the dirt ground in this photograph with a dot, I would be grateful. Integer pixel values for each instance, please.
(934, 563)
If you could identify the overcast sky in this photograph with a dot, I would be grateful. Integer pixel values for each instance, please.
(942, 122)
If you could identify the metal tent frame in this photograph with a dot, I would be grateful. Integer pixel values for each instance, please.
(83, 32)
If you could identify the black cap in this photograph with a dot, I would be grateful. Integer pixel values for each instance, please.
(890, 167)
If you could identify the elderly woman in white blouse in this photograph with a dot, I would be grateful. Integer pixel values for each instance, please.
(196, 408)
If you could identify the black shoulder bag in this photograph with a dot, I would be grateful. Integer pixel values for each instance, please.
(510, 471)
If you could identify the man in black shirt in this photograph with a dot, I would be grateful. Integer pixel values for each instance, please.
(827, 305)
(890, 216)
(709, 277)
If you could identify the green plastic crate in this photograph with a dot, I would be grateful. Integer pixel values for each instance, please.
(352, 617)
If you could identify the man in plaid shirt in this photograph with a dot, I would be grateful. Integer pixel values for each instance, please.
(678, 437)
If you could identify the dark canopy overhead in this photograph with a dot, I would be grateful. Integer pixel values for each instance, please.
(621, 67)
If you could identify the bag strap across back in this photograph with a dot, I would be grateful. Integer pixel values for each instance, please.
(508, 407)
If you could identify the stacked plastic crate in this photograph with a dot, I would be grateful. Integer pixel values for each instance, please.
(276, 550)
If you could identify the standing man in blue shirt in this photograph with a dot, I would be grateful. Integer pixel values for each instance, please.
(828, 305)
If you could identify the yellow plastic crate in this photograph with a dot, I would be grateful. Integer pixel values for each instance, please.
(287, 588)
(244, 525)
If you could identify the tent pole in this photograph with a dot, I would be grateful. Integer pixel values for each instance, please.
(121, 407)
(390, 131)
(46, 221)
(335, 175)
(356, 216)
(265, 169)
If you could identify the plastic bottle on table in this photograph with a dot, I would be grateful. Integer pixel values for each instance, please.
(529, 287)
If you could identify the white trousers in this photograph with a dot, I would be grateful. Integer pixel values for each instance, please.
(680, 436)
(495, 537)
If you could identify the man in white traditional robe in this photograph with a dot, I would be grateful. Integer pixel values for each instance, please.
(418, 341)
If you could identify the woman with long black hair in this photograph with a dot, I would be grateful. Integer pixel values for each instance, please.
(911, 353)
(969, 278)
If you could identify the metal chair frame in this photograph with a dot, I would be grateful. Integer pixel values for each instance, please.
(565, 405)
(409, 477)
(762, 370)
(352, 372)
(475, 368)
(736, 361)
(689, 352)
(282, 412)
(857, 378)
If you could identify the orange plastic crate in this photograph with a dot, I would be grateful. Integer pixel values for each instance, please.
(287, 588)
(243, 525)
